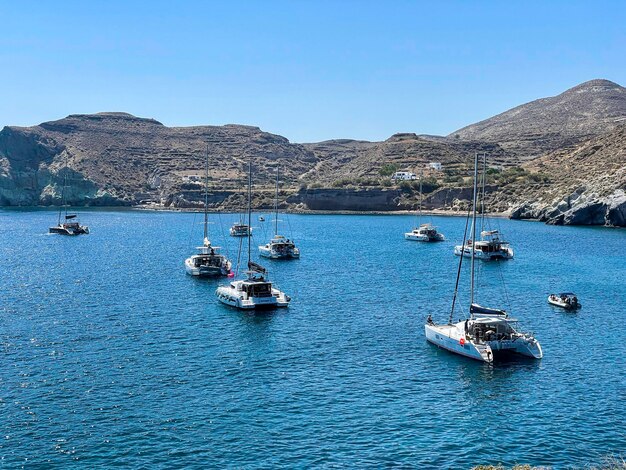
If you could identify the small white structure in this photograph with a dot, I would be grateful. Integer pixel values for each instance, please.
(404, 175)
(191, 179)
(435, 166)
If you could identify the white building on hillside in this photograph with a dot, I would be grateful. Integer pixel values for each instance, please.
(404, 175)
(435, 166)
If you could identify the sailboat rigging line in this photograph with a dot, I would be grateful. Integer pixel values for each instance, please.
(474, 229)
(193, 224)
(482, 204)
(206, 195)
(458, 273)
(239, 256)
(506, 292)
(276, 203)
(219, 218)
(249, 210)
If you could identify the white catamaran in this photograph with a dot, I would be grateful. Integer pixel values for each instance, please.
(254, 291)
(488, 331)
(490, 246)
(67, 223)
(423, 232)
(208, 262)
(279, 247)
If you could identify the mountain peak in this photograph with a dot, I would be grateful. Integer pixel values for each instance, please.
(532, 129)
(595, 85)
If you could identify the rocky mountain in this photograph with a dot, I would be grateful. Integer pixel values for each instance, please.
(583, 186)
(533, 129)
(117, 158)
(350, 159)
(577, 176)
(120, 159)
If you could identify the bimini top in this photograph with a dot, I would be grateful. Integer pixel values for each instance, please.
(489, 233)
(477, 309)
(256, 268)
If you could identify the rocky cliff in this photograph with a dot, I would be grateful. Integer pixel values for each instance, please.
(585, 186)
(117, 158)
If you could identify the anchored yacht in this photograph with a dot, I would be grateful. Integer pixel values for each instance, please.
(488, 331)
(255, 291)
(208, 262)
(67, 224)
(279, 247)
(489, 247)
(69, 228)
(239, 229)
(423, 232)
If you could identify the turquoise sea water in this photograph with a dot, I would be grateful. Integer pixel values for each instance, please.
(112, 355)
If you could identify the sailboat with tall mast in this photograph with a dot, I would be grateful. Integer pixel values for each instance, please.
(487, 332)
(490, 246)
(67, 223)
(208, 262)
(423, 232)
(279, 247)
(254, 291)
(240, 228)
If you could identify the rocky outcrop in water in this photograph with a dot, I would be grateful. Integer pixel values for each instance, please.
(585, 185)
(578, 209)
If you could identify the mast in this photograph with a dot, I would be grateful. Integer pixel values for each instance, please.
(482, 205)
(62, 198)
(419, 218)
(206, 195)
(249, 208)
(276, 204)
(63, 204)
(474, 228)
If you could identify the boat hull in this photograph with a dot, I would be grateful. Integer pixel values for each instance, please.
(497, 255)
(205, 271)
(266, 252)
(60, 230)
(422, 238)
(453, 339)
(563, 305)
(449, 338)
(233, 298)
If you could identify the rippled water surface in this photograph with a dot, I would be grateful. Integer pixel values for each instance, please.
(112, 355)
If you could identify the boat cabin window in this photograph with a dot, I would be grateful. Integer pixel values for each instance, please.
(258, 290)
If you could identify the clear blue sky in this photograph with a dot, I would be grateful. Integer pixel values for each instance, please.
(308, 70)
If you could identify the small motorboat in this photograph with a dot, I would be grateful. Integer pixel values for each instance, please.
(566, 300)
(261, 218)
